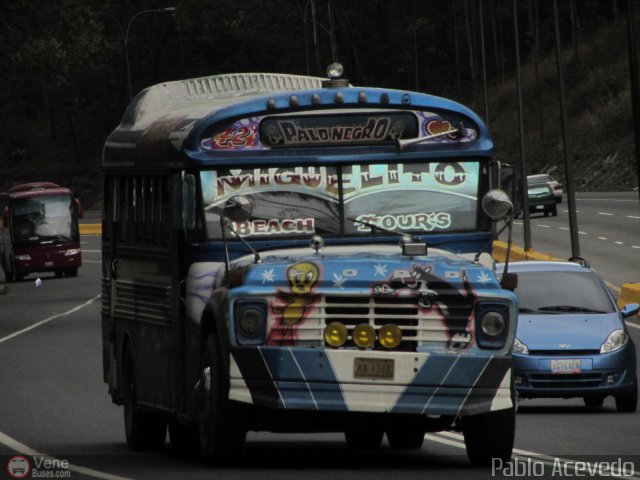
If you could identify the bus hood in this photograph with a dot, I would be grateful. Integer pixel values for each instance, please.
(381, 268)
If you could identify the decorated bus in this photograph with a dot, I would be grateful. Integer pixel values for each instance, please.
(39, 230)
(296, 254)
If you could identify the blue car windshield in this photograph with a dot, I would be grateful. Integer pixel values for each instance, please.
(562, 292)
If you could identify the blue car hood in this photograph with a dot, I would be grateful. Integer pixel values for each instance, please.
(579, 331)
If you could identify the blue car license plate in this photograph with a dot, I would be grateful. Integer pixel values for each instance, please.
(565, 365)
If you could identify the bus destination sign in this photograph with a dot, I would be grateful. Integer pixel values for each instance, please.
(346, 129)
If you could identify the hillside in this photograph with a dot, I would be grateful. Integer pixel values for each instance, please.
(600, 127)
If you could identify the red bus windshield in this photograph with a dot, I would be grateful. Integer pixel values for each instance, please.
(43, 219)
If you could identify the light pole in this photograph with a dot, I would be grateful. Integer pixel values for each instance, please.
(126, 40)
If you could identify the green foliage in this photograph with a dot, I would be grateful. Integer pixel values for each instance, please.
(65, 83)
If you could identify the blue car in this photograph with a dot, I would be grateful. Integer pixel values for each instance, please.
(571, 339)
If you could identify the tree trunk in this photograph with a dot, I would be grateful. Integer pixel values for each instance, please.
(534, 29)
(316, 47)
(470, 36)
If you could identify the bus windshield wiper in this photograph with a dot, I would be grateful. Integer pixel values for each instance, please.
(568, 308)
(374, 227)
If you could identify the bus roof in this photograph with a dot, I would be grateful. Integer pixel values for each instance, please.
(34, 189)
(164, 124)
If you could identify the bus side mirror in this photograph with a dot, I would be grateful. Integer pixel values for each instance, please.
(184, 201)
(79, 207)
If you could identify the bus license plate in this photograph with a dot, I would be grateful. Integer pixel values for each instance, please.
(565, 365)
(373, 368)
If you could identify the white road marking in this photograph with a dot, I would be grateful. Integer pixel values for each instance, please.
(25, 450)
(91, 251)
(564, 228)
(605, 213)
(91, 261)
(47, 320)
(630, 324)
(544, 226)
(633, 216)
(582, 233)
(619, 243)
(635, 246)
(457, 440)
(603, 238)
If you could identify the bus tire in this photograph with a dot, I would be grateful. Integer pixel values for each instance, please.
(489, 435)
(222, 435)
(143, 430)
(364, 438)
(406, 438)
(185, 439)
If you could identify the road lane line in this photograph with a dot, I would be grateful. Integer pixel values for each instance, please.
(23, 449)
(605, 213)
(619, 243)
(634, 325)
(457, 440)
(603, 238)
(543, 226)
(635, 246)
(47, 320)
(633, 216)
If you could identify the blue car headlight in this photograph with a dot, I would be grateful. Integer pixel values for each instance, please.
(615, 341)
(519, 347)
(492, 324)
(250, 321)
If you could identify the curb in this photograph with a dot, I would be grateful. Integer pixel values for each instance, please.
(629, 293)
(90, 229)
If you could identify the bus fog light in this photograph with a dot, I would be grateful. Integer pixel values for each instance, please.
(23, 258)
(335, 334)
(364, 335)
(390, 336)
(611, 379)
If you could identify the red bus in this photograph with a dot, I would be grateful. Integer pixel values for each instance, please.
(39, 230)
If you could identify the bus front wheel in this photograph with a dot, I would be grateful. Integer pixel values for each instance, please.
(489, 435)
(222, 435)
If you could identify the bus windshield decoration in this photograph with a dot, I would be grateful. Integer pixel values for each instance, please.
(331, 279)
(40, 231)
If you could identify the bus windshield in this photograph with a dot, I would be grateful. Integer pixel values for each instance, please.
(426, 197)
(44, 218)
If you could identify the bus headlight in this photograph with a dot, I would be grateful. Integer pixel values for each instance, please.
(71, 251)
(492, 324)
(22, 258)
(390, 335)
(251, 322)
(364, 335)
(335, 334)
